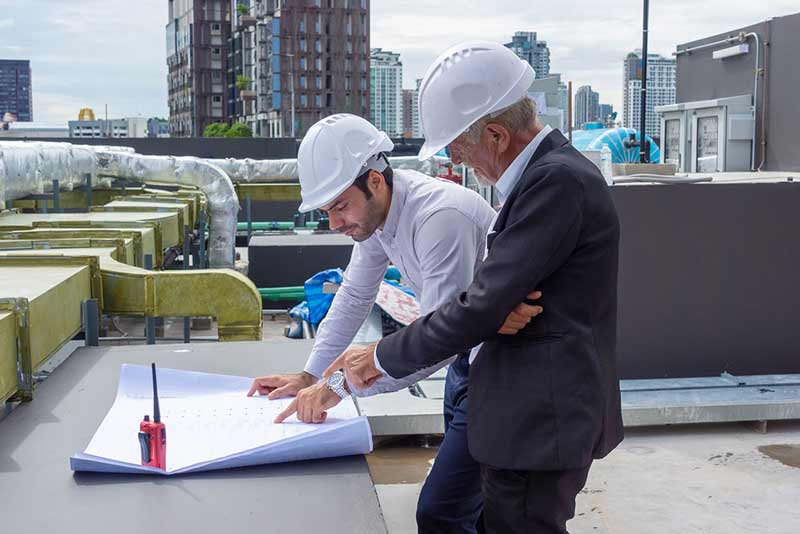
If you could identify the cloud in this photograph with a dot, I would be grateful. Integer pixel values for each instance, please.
(97, 52)
(588, 40)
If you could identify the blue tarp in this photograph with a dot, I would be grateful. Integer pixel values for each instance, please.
(595, 138)
(317, 303)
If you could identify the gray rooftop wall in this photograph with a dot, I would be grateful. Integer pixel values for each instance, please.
(700, 77)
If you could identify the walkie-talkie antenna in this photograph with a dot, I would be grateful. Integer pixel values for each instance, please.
(156, 409)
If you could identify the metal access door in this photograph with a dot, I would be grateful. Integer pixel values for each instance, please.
(674, 135)
(707, 150)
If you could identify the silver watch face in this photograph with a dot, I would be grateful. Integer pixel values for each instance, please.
(336, 380)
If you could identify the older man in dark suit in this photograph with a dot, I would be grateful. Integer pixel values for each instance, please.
(545, 403)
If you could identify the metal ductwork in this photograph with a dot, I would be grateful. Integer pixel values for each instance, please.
(30, 167)
(223, 204)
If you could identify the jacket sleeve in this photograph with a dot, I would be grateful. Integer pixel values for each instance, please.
(542, 229)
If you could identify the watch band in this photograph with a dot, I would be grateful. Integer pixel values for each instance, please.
(339, 388)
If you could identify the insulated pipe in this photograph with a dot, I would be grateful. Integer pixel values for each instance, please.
(29, 167)
(285, 170)
(223, 204)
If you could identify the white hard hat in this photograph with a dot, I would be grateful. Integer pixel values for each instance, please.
(468, 81)
(335, 151)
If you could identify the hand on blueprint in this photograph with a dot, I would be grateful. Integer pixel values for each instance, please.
(279, 386)
(358, 364)
(311, 404)
(521, 315)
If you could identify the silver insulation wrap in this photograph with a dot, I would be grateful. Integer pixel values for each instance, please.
(223, 204)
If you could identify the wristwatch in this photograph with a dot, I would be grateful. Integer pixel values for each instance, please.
(335, 383)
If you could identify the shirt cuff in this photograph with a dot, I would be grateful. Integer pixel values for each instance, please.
(378, 363)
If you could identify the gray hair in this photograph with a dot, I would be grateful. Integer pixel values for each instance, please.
(516, 118)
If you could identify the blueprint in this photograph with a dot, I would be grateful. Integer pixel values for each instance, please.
(212, 424)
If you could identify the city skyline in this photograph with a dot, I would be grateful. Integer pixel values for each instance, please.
(84, 69)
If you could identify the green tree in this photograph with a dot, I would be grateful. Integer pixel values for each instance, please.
(243, 82)
(243, 10)
(216, 129)
(239, 130)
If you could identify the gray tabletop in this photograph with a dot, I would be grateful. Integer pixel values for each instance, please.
(38, 491)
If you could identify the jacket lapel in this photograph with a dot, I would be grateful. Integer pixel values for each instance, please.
(552, 141)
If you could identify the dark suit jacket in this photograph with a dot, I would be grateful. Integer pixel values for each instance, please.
(547, 398)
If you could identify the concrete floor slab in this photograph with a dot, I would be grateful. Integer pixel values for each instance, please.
(699, 479)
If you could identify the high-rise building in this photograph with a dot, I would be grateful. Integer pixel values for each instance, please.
(15, 89)
(409, 106)
(546, 92)
(411, 123)
(241, 81)
(386, 91)
(416, 122)
(293, 62)
(197, 36)
(605, 115)
(660, 89)
(587, 106)
(527, 47)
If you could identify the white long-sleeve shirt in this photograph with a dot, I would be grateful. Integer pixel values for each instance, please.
(435, 234)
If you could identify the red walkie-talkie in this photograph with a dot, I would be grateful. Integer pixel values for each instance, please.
(153, 434)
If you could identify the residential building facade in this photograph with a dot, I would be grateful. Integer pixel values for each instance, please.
(527, 47)
(386, 92)
(16, 94)
(197, 36)
(661, 82)
(293, 62)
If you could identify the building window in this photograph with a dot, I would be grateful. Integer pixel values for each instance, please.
(318, 46)
(217, 99)
(216, 51)
(303, 82)
(318, 82)
(318, 101)
(302, 26)
(319, 63)
(303, 101)
(302, 63)
(318, 23)
(302, 44)
(276, 82)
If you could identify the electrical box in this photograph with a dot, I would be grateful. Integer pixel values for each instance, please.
(708, 135)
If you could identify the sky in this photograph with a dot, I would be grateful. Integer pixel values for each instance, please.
(93, 53)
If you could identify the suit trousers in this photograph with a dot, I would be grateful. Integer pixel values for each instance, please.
(450, 501)
(530, 502)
